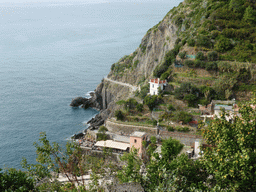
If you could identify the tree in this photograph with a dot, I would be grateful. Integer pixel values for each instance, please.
(53, 158)
(185, 175)
(236, 5)
(249, 15)
(151, 101)
(182, 54)
(200, 56)
(101, 135)
(170, 107)
(212, 56)
(15, 180)
(160, 162)
(139, 107)
(131, 171)
(70, 162)
(190, 98)
(103, 129)
(231, 155)
(184, 89)
(223, 44)
(119, 115)
(184, 116)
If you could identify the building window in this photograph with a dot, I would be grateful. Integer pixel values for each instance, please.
(135, 141)
(152, 85)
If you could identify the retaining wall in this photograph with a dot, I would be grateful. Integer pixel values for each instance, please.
(185, 138)
(128, 129)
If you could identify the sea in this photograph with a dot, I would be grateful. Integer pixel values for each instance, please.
(51, 52)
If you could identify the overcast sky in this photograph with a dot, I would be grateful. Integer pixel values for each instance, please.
(37, 1)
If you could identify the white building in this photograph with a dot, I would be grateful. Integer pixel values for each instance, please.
(154, 84)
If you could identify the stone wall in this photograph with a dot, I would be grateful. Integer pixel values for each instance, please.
(185, 138)
(128, 129)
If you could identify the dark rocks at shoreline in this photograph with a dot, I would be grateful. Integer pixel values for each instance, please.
(80, 101)
(96, 122)
(78, 136)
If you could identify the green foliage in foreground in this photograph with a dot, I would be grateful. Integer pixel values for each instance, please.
(15, 180)
(231, 159)
(227, 164)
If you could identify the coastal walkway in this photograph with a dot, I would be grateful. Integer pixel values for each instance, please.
(134, 88)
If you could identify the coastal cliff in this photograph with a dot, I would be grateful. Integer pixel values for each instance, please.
(196, 43)
(143, 61)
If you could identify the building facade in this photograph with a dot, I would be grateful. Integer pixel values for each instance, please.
(155, 84)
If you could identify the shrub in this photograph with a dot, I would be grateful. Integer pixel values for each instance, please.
(199, 63)
(170, 107)
(183, 116)
(139, 107)
(184, 89)
(184, 41)
(136, 63)
(151, 101)
(119, 115)
(182, 54)
(159, 70)
(183, 129)
(177, 41)
(112, 67)
(154, 122)
(178, 21)
(203, 102)
(191, 42)
(203, 41)
(199, 56)
(103, 129)
(170, 128)
(211, 66)
(223, 45)
(144, 91)
(190, 98)
(102, 136)
(212, 56)
(189, 63)
(165, 75)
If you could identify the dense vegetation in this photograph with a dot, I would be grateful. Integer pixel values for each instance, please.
(227, 164)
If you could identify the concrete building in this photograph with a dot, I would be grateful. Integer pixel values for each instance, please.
(117, 147)
(154, 84)
(136, 139)
(214, 109)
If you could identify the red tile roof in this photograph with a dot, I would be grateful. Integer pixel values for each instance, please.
(158, 81)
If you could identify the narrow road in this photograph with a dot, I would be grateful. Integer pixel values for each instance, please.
(134, 88)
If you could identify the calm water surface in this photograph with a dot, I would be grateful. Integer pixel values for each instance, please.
(53, 52)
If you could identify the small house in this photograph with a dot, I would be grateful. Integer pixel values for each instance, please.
(155, 83)
(136, 139)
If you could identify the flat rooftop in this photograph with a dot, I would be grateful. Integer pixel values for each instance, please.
(112, 144)
(138, 134)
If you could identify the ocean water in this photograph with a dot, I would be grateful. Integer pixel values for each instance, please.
(52, 52)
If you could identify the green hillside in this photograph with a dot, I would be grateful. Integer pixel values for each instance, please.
(215, 47)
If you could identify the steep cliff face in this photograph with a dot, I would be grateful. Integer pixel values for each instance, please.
(210, 44)
(106, 95)
(136, 68)
(140, 64)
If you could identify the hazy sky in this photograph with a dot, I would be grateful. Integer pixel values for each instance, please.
(38, 1)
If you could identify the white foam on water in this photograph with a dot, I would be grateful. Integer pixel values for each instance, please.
(87, 95)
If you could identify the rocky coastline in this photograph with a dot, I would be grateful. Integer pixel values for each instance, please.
(95, 102)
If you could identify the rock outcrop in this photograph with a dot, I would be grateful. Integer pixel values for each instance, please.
(80, 101)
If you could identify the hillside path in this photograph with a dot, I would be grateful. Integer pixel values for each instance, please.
(134, 88)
